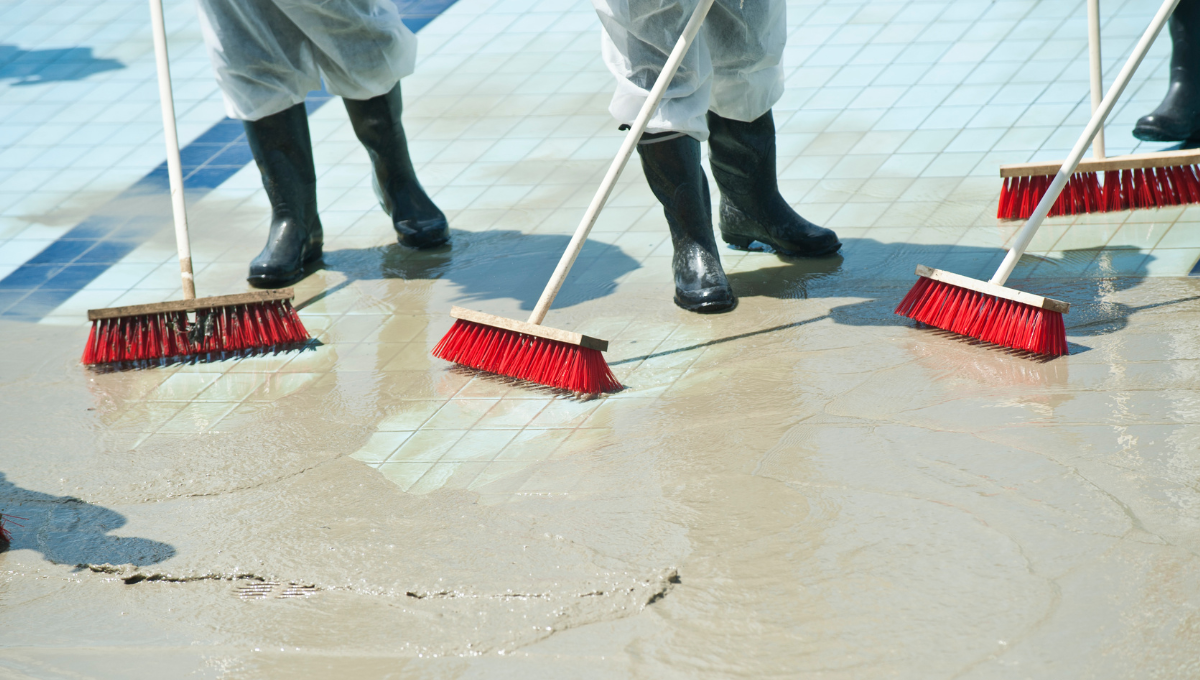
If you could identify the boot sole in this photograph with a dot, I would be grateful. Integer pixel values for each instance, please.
(310, 265)
(419, 243)
(707, 307)
(1156, 135)
(744, 242)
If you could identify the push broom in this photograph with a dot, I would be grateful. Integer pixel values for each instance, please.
(162, 330)
(1147, 180)
(1004, 316)
(527, 350)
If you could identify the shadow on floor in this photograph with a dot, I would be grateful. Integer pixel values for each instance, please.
(802, 278)
(490, 265)
(67, 530)
(507, 263)
(864, 264)
(32, 67)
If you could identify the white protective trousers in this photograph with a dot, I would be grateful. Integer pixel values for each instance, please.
(733, 68)
(268, 54)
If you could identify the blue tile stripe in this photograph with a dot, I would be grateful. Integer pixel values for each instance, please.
(36, 288)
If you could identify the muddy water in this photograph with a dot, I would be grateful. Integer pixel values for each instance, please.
(823, 492)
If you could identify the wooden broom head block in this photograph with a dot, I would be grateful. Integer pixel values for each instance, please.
(1137, 161)
(994, 290)
(529, 329)
(193, 305)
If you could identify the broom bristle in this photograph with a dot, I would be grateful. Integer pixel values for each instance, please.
(5, 534)
(1084, 193)
(170, 335)
(985, 317)
(526, 357)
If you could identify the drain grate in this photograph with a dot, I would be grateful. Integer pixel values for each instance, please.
(265, 589)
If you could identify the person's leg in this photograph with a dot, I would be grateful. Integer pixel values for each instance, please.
(282, 149)
(363, 50)
(418, 222)
(1177, 118)
(265, 68)
(637, 37)
(742, 158)
(746, 42)
(671, 163)
(361, 46)
(264, 63)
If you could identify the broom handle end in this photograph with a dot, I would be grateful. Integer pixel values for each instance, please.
(614, 170)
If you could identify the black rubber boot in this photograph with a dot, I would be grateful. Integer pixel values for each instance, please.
(672, 167)
(743, 164)
(418, 222)
(282, 149)
(1177, 118)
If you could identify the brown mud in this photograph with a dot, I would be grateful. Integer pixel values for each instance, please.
(808, 487)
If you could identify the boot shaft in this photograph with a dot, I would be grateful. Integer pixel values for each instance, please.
(377, 124)
(673, 171)
(282, 148)
(671, 164)
(742, 155)
(1185, 32)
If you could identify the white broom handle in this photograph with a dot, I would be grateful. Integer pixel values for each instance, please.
(174, 166)
(1097, 71)
(618, 164)
(1023, 237)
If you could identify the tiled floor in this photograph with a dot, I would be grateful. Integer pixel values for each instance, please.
(894, 122)
(79, 114)
(808, 485)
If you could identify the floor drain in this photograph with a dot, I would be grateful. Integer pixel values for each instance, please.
(263, 590)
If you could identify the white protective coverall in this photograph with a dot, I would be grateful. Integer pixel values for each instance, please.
(732, 68)
(268, 54)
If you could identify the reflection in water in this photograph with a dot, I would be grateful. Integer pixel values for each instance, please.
(789, 279)
(67, 530)
(949, 356)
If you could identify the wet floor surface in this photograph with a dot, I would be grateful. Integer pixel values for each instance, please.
(807, 486)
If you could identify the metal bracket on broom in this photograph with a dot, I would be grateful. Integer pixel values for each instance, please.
(528, 350)
(1004, 316)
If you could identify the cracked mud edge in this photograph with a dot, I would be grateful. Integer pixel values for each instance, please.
(139, 577)
(644, 591)
(669, 580)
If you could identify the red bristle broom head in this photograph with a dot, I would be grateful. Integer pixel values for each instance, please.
(1084, 193)
(5, 535)
(170, 335)
(514, 354)
(990, 318)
